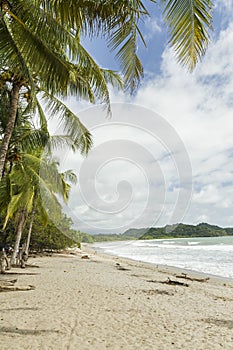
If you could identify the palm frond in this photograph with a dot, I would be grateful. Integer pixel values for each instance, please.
(42, 116)
(5, 193)
(116, 20)
(70, 176)
(69, 122)
(131, 65)
(21, 201)
(41, 211)
(93, 78)
(11, 54)
(189, 22)
(125, 38)
(61, 142)
(29, 140)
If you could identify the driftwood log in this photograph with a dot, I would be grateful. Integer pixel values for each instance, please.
(184, 275)
(4, 288)
(176, 283)
(9, 286)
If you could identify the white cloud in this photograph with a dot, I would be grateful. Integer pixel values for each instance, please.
(198, 107)
(152, 27)
(223, 5)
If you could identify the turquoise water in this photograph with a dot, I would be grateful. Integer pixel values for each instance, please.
(208, 255)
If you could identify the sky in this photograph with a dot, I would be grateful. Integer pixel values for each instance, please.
(166, 155)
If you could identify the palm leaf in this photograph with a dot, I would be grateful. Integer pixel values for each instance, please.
(29, 140)
(11, 54)
(115, 20)
(189, 22)
(20, 201)
(93, 78)
(131, 65)
(69, 122)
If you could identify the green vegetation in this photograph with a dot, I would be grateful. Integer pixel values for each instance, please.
(44, 237)
(128, 235)
(42, 62)
(169, 231)
(111, 237)
(182, 230)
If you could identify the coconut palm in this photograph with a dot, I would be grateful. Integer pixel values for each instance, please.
(35, 47)
(43, 37)
(77, 135)
(22, 185)
(189, 23)
(26, 188)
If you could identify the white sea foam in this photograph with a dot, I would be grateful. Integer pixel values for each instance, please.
(208, 255)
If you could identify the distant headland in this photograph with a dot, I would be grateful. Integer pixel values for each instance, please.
(169, 231)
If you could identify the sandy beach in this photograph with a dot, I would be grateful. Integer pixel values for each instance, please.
(105, 302)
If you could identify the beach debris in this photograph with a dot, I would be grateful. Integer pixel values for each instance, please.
(171, 282)
(184, 275)
(156, 292)
(85, 256)
(8, 282)
(9, 286)
(176, 283)
(153, 281)
(32, 265)
(12, 288)
(121, 268)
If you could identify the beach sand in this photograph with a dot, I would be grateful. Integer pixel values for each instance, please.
(106, 302)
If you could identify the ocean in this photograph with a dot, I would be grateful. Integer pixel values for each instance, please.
(207, 255)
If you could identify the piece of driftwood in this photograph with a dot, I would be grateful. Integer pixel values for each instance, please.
(32, 265)
(5, 288)
(121, 268)
(8, 282)
(85, 257)
(153, 281)
(9, 285)
(183, 275)
(176, 283)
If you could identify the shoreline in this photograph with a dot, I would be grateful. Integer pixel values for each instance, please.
(92, 301)
(167, 268)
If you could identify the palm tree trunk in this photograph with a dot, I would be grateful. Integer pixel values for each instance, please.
(19, 230)
(30, 228)
(10, 125)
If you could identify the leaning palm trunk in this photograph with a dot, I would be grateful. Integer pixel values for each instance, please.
(10, 126)
(21, 221)
(4, 262)
(30, 229)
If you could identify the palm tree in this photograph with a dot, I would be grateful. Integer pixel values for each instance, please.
(66, 178)
(119, 22)
(36, 47)
(22, 185)
(43, 37)
(26, 186)
(77, 135)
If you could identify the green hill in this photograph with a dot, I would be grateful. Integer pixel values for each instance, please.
(169, 231)
(135, 232)
(183, 230)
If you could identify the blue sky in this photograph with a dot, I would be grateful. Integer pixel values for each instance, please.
(166, 157)
(156, 34)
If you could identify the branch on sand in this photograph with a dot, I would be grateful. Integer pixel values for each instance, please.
(184, 275)
(8, 286)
